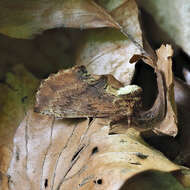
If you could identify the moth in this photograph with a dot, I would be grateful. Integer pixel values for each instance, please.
(75, 93)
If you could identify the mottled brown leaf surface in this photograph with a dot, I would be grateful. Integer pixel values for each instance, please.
(108, 51)
(78, 155)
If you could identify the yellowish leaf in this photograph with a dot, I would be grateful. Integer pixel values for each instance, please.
(23, 19)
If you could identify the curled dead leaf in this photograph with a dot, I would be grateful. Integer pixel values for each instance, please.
(163, 113)
(169, 124)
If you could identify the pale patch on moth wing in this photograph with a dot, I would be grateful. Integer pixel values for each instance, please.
(129, 90)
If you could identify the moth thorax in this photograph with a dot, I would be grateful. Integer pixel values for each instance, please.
(129, 90)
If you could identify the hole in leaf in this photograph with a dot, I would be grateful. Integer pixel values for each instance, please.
(135, 163)
(46, 183)
(112, 133)
(24, 99)
(95, 150)
(98, 181)
(123, 141)
(17, 156)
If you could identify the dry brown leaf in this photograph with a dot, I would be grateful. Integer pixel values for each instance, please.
(23, 19)
(169, 125)
(108, 51)
(68, 154)
(163, 112)
(126, 14)
(73, 154)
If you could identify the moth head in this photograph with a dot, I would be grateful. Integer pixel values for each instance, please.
(128, 100)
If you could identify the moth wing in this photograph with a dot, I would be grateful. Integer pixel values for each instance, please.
(73, 93)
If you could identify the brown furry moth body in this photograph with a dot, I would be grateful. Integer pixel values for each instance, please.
(74, 93)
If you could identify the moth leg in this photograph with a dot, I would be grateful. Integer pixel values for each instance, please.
(115, 120)
(129, 120)
(90, 120)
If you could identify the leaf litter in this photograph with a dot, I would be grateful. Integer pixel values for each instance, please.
(80, 153)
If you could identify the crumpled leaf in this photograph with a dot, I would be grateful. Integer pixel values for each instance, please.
(164, 64)
(23, 19)
(108, 51)
(163, 112)
(17, 94)
(78, 154)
